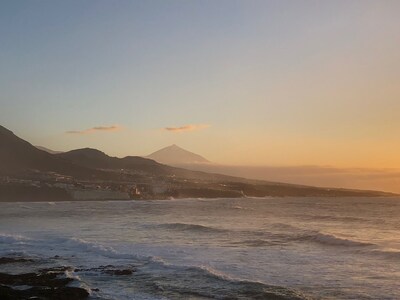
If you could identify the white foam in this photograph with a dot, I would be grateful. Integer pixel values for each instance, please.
(387, 253)
(97, 248)
(237, 207)
(21, 287)
(213, 272)
(12, 238)
(26, 207)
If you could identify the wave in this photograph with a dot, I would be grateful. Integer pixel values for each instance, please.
(45, 248)
(332, 240)
(385, 253)
(335, 218)
(26, 207)
(263, 239)
(190, 227)
(81, 245)
(182, 280)
(237, 207)
(284, 226)
(77, 281)
(259, 243)
(205, 281)
(12, 239)
(97, 248)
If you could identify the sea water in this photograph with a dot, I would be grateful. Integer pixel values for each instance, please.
(264, 248)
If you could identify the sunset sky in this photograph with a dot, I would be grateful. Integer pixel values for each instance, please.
(239, 82)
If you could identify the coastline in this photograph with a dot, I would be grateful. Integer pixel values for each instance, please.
(50, 283)
(52, 202)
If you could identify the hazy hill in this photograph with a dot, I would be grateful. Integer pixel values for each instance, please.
(95, 159)
(355, 178)
(48, 150)
(175, 155)
(18, 156)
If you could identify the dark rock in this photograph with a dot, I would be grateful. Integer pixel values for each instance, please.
(106, 267)
(67, 293)
(7, 293)
(46, 284)
(43, 293)
(119, 272)
(34, 279)
(109, 269)
(9, 260)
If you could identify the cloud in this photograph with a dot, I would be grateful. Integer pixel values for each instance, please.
(190, 127)
(95, 129)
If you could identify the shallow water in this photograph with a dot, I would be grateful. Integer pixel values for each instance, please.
(287, 248)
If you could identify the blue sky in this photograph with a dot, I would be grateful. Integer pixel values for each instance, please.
(260, 82)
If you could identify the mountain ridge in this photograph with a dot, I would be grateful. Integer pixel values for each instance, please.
(48, 150)
(28, 165)
(18, 155)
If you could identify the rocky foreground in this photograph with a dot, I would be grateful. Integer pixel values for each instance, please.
(50, 283)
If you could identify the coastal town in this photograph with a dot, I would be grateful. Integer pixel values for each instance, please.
(87, 190)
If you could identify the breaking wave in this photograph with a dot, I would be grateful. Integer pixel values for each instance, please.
(12, 239)
(386, 253)
(332, 240)
(271, 239)
(97, 248)
(171, 279)
(205, 281)
(190, 227)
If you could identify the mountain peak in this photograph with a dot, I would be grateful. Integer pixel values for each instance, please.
(173, 146)
(175, 155)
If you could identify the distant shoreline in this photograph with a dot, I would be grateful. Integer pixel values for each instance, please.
(199, 198)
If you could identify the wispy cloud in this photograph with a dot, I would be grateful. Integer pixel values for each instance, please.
(96, 129)
(185, 128)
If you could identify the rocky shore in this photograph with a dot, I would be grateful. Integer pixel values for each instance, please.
(49, 283)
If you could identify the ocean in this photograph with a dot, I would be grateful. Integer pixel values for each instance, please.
(250, 248)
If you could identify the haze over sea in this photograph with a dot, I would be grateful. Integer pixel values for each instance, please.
(287, 248)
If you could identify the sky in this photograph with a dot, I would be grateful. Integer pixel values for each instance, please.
(283, 83)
